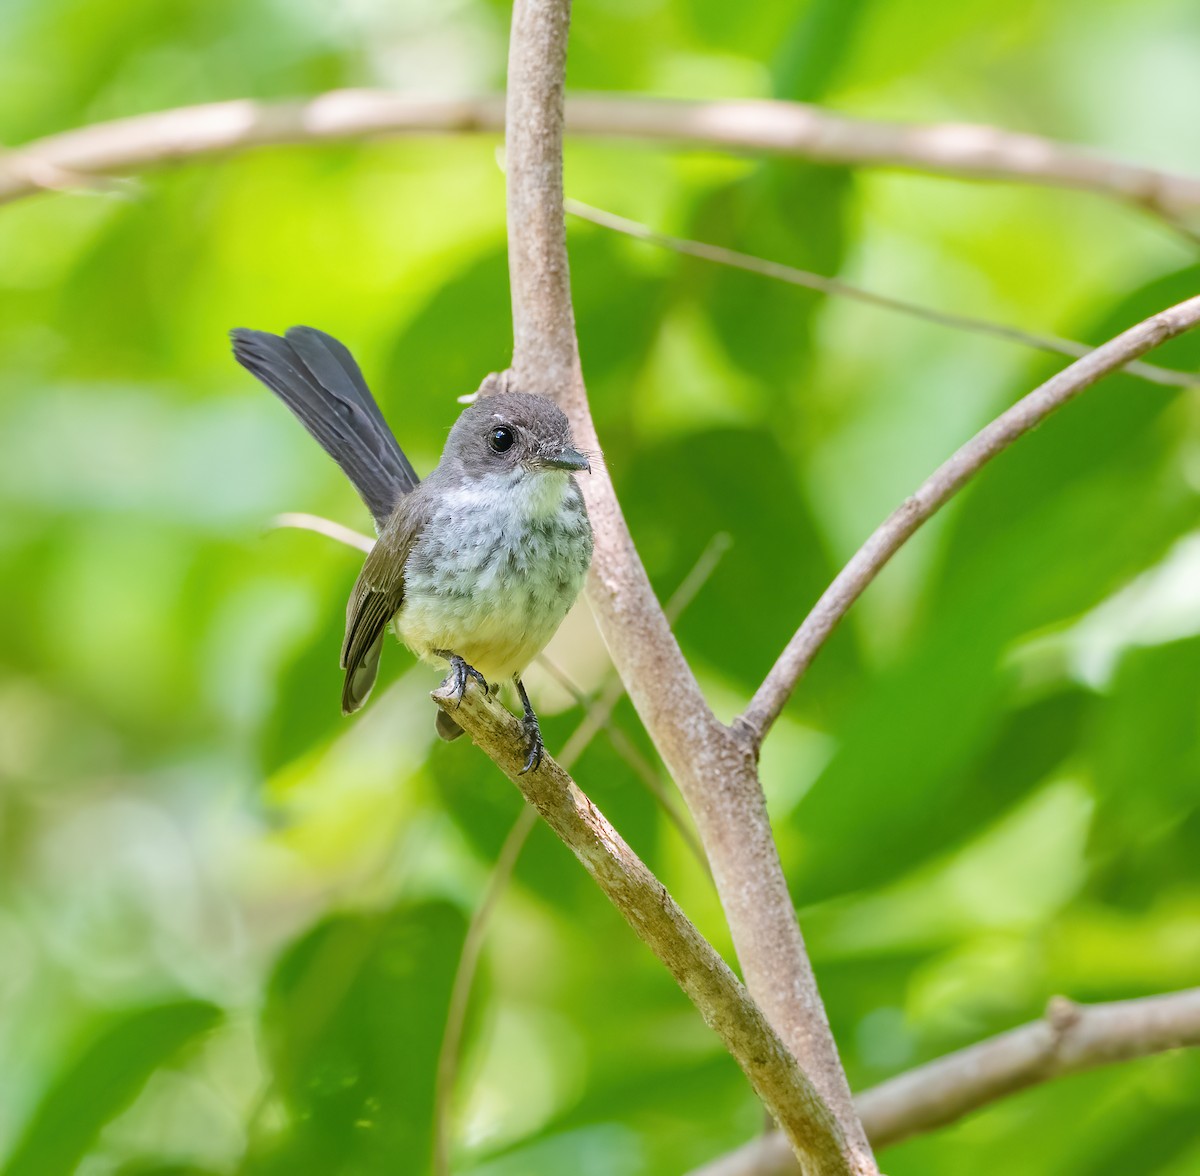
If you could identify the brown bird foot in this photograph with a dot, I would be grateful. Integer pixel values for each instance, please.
(459, 672)
(533, 732)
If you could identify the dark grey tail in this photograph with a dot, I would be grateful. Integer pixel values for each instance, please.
(317, 378)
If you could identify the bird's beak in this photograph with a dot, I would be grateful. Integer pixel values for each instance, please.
(568, 459)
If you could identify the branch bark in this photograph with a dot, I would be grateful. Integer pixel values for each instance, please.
(714, 767)
(643, 901)
(942, 485)
(1069, 1039)
(77, 158)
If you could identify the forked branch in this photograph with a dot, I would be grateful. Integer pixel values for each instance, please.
(710, 764)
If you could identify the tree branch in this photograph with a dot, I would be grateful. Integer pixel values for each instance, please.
(942, 485)
(1070, 1038)
(714, 768)
(647, 907)
(836, 288)
(596, 717)
(77, 158)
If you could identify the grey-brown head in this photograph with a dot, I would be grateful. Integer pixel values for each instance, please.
(510, 431)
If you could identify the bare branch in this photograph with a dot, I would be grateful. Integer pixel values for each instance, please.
(714, 768)
(1069, 1039)
(645, 904)
(75, 158)
(836, 288)
(942, 485)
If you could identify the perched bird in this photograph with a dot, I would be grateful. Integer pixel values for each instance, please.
(477, 565)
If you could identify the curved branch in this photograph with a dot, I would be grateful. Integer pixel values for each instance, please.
(942, 485)
(1070, 1038)
(76, 158)
(647, 907)
(713, 767)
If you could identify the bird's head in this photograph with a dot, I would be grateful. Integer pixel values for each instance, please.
(514, 433)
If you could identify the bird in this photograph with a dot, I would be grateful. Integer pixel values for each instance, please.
(476, 566)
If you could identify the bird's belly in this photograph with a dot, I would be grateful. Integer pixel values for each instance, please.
(494, 601)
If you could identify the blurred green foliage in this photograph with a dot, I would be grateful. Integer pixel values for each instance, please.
(229, 919)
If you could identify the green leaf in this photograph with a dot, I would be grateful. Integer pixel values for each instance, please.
(353, 1023)
(103, 1081)
(787, 212)
(1144, 751)
(734, 481)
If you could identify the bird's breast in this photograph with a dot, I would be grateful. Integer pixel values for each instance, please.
(494, 572)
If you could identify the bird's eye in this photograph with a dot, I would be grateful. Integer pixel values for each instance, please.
(500, 439)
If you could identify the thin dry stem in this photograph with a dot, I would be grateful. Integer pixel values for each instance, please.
(942, 485)
(836, 288)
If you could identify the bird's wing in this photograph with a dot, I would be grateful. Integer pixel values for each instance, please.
(376, 597)
(317, 378)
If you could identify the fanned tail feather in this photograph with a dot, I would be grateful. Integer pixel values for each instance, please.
(317, 378)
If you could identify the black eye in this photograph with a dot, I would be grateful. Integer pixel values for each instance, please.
(500, 439)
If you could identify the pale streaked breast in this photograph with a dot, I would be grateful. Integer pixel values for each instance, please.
(495, 571)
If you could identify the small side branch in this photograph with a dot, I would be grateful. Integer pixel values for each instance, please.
(941, 486)
(836, 288)
(1069, 1039)
(654, 916)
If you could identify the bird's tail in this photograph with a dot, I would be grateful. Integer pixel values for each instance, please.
(317, 378)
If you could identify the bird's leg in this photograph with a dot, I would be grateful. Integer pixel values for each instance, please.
(459, 671)
(533, 732)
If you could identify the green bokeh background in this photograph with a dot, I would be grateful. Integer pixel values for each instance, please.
(229, 919)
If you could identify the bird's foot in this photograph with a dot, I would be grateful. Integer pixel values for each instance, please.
(533, 733)
(459, 672)
(533, 740)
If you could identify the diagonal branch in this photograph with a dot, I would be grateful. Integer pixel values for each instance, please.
(714, 768)
(645, 904)
(596, 716)
(1069, 1039)
(836, 288)
(79, 157)
(941, 486)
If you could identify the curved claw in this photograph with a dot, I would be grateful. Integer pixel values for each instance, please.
(533, 732)
(533, 736)
(459, 672)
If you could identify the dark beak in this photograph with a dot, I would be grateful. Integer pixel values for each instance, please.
(568, 459)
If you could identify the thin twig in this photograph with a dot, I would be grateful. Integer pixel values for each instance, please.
(322, 526)
(1070, 1038)
(942, 485)
(785, 128)
(835, 287)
